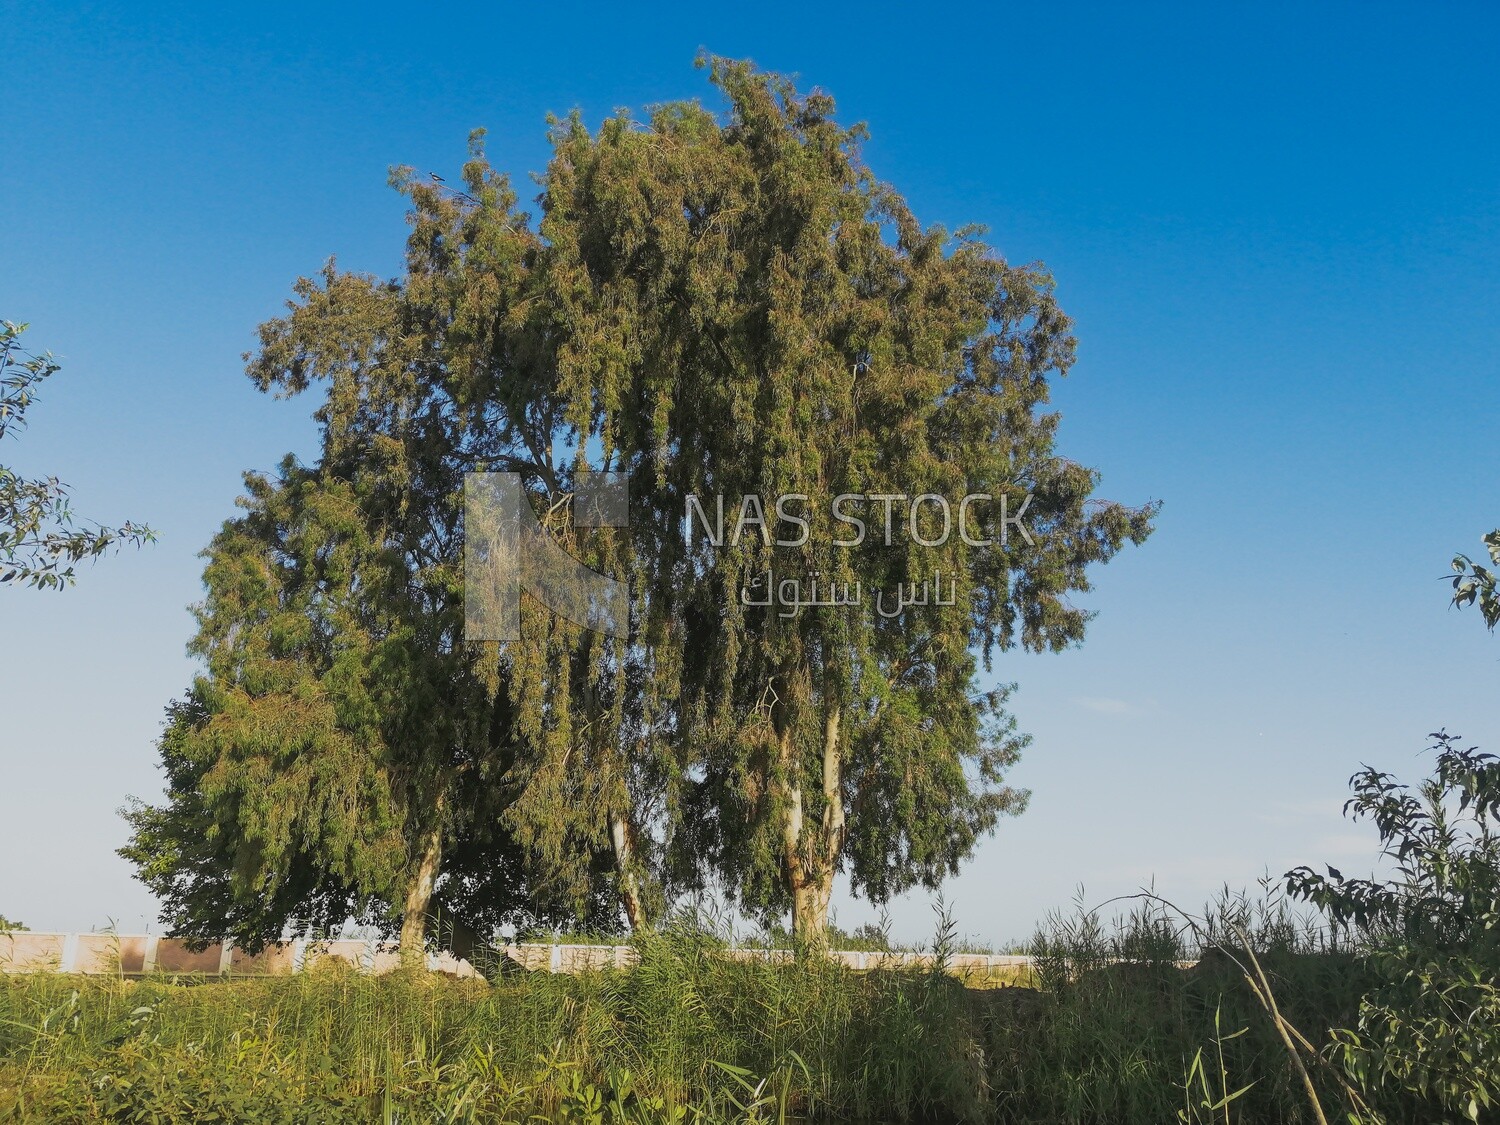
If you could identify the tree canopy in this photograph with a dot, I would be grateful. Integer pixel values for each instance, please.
(729, 309)
(752, 314)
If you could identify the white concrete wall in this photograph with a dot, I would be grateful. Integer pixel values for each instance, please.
(23, 951)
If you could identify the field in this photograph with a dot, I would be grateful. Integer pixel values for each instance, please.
(687, 1035)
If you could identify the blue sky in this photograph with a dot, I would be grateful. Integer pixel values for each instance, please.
(1276, 228)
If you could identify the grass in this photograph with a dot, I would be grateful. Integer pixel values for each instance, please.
(1116, 1033)
(686, 1034)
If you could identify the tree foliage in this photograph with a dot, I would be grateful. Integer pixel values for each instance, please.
(1474, 583)
(321, 767)
(753, 313)
(1432, 1025)
(41, 540)
(712, 306)
(344, 752)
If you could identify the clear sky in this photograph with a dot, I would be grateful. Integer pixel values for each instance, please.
(1275, 225)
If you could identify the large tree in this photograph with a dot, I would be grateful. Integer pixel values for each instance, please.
(41, 540)
(345, 752)
(593, 776)
(754, 314)
(338, 753)
(713, 306)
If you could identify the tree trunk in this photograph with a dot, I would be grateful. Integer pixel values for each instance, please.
(622, 837)
(810, 912)
(419, 896)
(811, 883)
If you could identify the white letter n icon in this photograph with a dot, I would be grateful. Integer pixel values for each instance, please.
(507, 551)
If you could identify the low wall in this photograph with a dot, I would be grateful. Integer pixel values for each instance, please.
(22, 951)
(131, 954)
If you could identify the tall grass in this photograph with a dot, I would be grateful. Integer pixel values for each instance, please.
(686, 1033)
(1119, 1033)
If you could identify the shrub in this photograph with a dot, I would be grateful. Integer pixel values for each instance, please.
(1430, 1027)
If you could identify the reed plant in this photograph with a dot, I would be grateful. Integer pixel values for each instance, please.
(1138, 1019)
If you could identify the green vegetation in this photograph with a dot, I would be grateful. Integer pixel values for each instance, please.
(1474, 583)
(1431, 1023)
(716, 307)
(684, 1031)
(765, 321)
(1140, 1019)
(1250, 1014)
(41, 540)
(1385, 1013)
(691, 1032)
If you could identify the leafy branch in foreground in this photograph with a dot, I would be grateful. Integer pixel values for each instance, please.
(40, 540)
(1473, 582)
(1432, 1026)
